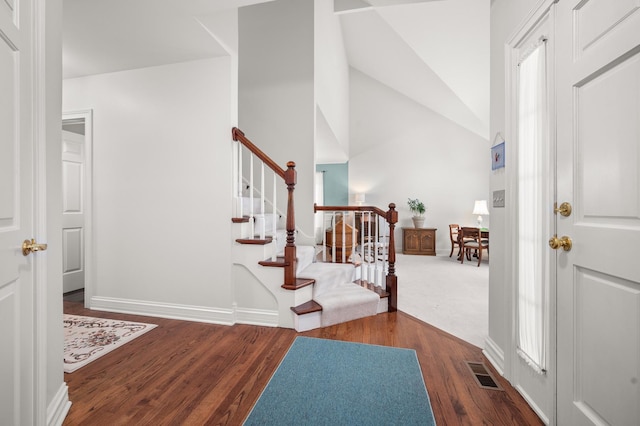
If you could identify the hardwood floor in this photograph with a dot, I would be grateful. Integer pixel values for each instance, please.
(189, 373)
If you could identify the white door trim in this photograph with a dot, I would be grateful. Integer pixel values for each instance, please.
(512, 365)
(40, 213)
(87, 116)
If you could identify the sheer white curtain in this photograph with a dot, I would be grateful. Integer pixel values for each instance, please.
(533, 141)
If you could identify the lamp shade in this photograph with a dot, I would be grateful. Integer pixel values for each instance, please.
(480, 207)
(359, 198)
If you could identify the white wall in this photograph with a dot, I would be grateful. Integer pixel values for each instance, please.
(162, 182)
(276, 92)
(401, 149)
(331, 85)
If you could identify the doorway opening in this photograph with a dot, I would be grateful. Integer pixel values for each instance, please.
(77, 144)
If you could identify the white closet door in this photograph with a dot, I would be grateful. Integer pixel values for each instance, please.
(73, 210)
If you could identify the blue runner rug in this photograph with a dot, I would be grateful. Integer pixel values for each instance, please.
(329, 382)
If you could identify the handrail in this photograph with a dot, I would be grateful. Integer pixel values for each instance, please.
(238, 136)
(391, 216)
(290, 177)
(317, 208)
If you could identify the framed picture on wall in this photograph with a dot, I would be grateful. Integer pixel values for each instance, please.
(497, 156)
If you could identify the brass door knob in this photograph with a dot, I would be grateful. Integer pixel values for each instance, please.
(31, 246)
(564, 242)
(564, 209)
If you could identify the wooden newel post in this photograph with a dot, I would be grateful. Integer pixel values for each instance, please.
(290, 178)
(392, 279)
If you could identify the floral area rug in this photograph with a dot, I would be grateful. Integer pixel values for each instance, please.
(87, 338)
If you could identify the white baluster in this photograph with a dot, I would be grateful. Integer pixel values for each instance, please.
(239, 176)
(263, 223)
(274, 218)
(363, 246)
(324, 236)
(333, 241)
(251, 217)
(344, 237)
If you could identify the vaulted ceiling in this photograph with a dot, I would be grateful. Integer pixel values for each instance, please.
(435, 52)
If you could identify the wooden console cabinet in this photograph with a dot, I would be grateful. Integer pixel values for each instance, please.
(419, 241)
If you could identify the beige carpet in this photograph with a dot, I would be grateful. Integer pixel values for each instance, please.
(446, 294)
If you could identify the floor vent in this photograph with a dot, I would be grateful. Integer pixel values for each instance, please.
(484, 379)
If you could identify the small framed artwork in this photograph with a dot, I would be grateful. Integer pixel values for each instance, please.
(497, 156)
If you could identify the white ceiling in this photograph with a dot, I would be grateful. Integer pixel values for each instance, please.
(436, 52)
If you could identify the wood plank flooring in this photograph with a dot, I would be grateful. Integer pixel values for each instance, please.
(189, 373)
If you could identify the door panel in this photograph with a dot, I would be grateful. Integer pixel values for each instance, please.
(595, 379)
(16, 194)
(598, 154)
(597, 19)
(607, 145)
(8, 141)
(73, 215)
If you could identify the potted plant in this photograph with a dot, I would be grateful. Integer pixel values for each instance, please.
(417, 208)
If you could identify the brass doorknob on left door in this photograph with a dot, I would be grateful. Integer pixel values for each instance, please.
(31, 246)
(564, 209)
(564, 242)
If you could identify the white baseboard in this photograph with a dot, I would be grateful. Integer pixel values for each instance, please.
(494, 354)
(164, 310)
(532, 404)
(256, 317)
(59, 406)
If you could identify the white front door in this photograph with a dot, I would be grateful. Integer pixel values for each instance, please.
(73, 210)
(17, 285)
(598, 159)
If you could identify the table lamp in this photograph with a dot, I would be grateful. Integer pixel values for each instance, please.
(359, 198)
(480, 208)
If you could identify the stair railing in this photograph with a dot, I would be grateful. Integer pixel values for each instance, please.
(364, 236)
(290, 177)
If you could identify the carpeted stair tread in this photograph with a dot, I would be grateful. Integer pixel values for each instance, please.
(305, 256)
(328, 275)
(370, 286)
(346, 302)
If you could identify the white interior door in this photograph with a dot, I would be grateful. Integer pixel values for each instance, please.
(598, 157)
(17, 292)
(73, 215)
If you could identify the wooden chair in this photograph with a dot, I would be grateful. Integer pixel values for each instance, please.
(454, 229)
(472, 240)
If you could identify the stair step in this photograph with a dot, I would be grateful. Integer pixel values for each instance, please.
(278, 263)
(307, 308)
(256, 241)
(300, 282)
(243, 219)
(370, 286)
(313, 306)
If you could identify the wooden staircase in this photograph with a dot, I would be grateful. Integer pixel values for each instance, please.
(309, 294)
